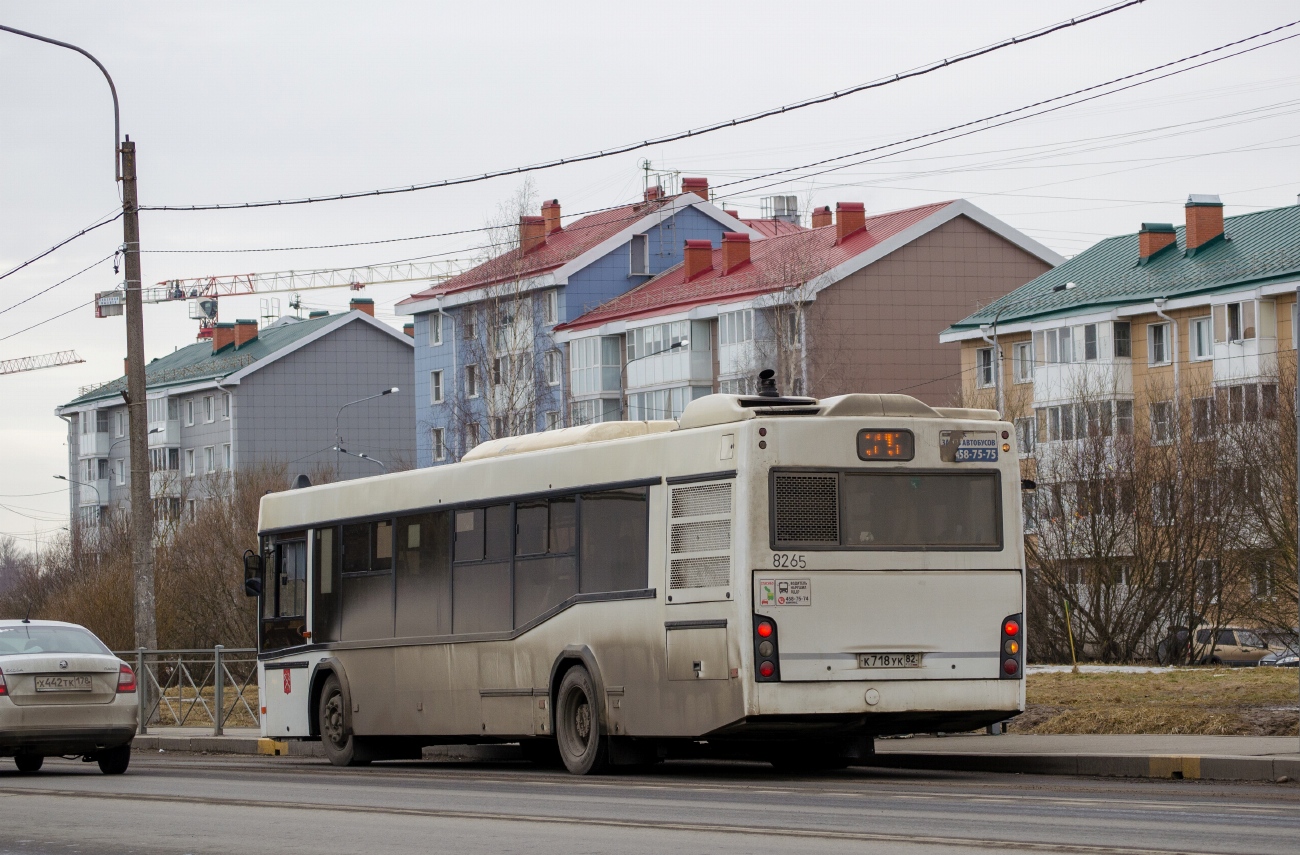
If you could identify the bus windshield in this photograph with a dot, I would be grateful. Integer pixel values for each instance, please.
(890, 510)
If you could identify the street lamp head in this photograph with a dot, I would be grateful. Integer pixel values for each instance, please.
(1068, 286)
(390, 391)
(60, 477)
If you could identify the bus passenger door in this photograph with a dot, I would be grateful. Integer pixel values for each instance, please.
(284, 621)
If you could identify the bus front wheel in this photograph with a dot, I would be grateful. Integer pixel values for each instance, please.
(582, 744)
(342, 748)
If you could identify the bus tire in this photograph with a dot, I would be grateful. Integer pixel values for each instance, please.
(28, 763)
(578, 730)
(342, 747)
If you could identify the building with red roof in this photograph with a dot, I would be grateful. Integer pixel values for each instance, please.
(854, 304)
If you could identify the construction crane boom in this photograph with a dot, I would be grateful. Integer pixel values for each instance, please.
(241, 284)
(36, 363)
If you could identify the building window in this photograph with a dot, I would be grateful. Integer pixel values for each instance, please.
(1058, 345)
(638, 255)
(435, 387)
(1089, 342)
(595, 365)
(1202, 344)
(552, 419)
(1123, 340)
(209, 409)
(437, 446)
(210, 459)
(498, 427)
(736, 327)
(226, 456)
(550, 306)
(120, 467)
(1158, 344)
(120, 420)
(553, 368)
(1164, 502)
(1123, 418)
(647, 341)
(471, 381)
(467, 323)
(189, 412)
(1022, 361)
(189, 461)
(1162, 422)
(984, 367)
(1202, 418)
(1234, 322)
(471, 435)
(1027, 434)
(500, 366)
(435, 329)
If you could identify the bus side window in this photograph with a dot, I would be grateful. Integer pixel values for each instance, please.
(482, 573)
(615, 532)
(424, 575)
(367, 581)
(325, 570)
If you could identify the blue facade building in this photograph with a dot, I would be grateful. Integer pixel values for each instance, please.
(486, 361)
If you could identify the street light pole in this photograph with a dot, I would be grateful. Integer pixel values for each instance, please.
(338, 437)
(146, 629)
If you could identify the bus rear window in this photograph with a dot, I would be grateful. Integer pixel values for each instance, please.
(886, 510)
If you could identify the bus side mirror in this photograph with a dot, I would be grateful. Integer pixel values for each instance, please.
(252, 574)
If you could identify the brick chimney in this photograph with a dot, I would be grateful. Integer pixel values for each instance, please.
(362, 304)
(409, 329)
(822, 216)
(698, 186)
(245, 331)
(850, 217)
(699, 258)
(532, 233)
(1153, 238)
(735, 251)
(551, 215)
(223, 335)
(1204, 219)
(653, 194)
(731, 213)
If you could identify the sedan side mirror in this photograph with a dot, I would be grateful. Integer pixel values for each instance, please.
(252, 574)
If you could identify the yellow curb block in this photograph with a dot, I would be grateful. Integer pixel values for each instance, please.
(1175, 766)
(277, 748)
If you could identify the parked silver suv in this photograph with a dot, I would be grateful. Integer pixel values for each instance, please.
(62, 692)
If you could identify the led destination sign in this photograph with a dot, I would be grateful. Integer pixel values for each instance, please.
(886, 445)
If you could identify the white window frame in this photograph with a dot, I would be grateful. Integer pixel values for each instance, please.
(1022, 361)
(120, 424)
(1026, 435)
(985, 378)
(225, 406)
(437, 443)
(227, 457)
(552, 419)
(554, 369)
(209, 409)
(189, 461)
(435, 329)
(1165, 436)
(1165, 357)
(1195, 339)
(210, 458)
(435, 387)
(472, 382)
(550, 306)
(189, 412)
(120, 471)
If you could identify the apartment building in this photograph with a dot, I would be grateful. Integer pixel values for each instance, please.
(247, 397)
(853, 304)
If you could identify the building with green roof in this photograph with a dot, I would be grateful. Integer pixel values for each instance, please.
(246, 397)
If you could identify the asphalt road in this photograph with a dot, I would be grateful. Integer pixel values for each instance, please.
(197, 804)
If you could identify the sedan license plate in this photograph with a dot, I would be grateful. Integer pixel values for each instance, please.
(889, 660)
(64, 683)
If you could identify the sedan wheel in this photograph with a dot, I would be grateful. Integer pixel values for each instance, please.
(115, 760)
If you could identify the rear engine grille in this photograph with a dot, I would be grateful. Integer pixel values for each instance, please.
(702, 500)
(700, 536)
(700, 572)
(806, 508)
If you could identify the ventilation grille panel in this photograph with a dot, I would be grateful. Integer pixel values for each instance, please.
(709, 572)
(702, 500)
(807, 508)
(711, 536)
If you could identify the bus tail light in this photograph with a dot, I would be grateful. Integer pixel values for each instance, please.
(125, 679)
(767, 663)
(1012, 643)
(4, 690)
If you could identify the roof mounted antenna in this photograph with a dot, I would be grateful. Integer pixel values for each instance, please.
(767, 384)
(28, 617)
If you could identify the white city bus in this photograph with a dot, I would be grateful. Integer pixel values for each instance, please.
(779, 578)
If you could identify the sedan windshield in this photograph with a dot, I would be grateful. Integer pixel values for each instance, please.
(18, 640)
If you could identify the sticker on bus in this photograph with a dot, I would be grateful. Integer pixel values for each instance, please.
(968, 446)
(785, 592)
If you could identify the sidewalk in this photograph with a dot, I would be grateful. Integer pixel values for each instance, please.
(1249, 758)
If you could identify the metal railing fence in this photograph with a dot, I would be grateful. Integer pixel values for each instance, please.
(214, 686)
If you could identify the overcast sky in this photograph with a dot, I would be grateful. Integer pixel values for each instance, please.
(233, 102)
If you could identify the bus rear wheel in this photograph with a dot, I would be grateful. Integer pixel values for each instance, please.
(342, 748)
(582, 744)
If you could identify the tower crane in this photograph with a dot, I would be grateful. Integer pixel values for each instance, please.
(203, 292)
(36, 363)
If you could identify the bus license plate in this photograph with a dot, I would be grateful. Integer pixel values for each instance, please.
(64, 683)
(889, 660)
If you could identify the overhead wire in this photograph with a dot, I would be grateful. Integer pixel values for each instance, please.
(57, 284)
(919, 71)
(60, 245)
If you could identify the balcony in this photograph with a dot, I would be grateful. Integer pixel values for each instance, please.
(1245, 360)
(93, 492)
(94, 444)
(1094, 379)
(671, 367)
(164, 433)
(165, 482)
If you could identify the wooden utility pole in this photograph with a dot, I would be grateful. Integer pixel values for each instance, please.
(146, 628)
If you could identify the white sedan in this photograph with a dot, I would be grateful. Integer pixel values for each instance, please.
(62, 692)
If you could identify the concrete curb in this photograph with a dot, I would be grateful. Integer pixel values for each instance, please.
(294, 748)
(1174, 766)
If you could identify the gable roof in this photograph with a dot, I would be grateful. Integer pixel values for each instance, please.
(197, 363)
(1256, 248)
(772, 227)
(807, 254)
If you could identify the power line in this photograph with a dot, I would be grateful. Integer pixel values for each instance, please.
(57, 284)
(681, 135)
(58, 245)
(47, 320)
